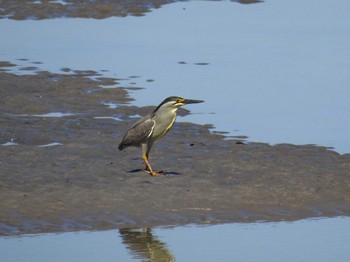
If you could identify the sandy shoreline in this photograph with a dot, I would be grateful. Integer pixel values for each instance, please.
(85, 183)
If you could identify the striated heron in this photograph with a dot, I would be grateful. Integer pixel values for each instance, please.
(153, 126)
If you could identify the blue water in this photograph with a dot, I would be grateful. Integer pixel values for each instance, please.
(277, 71)
(305, 240)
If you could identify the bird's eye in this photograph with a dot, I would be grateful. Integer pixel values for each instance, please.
(180, 101)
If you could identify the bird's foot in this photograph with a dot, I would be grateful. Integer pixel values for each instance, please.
(155, 173)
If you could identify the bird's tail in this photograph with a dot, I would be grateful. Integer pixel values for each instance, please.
(121, 146)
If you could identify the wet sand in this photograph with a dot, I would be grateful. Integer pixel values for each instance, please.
(85, 183)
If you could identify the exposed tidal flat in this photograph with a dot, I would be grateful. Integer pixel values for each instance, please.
(63, 171)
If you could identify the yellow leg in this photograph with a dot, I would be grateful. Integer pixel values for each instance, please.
(148, 166)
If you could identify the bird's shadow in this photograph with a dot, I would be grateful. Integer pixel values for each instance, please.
(165, 173)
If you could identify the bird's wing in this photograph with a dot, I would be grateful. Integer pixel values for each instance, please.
(138, 134)
(142, 120)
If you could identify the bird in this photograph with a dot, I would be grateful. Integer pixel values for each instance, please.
(154, 126)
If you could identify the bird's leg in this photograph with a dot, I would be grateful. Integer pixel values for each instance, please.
(148, 166)
(145, 150)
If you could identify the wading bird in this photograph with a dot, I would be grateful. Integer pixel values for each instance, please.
(153, 126)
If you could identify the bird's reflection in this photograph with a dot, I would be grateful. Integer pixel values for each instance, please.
(144, 246)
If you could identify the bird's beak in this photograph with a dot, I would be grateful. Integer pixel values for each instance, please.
(192, 101)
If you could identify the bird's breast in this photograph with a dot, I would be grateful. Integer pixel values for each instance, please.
(163, 125)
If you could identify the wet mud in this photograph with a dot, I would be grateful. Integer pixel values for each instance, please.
(44, 9)
(60, 169)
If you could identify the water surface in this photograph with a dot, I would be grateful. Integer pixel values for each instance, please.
(305, 240)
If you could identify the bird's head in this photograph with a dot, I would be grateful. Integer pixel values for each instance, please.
(174, 102)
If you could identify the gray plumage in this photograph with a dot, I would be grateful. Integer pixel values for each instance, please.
(138, 133)
(153, 126)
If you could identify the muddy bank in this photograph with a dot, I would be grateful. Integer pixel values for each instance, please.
(37, 10)
(83, 182)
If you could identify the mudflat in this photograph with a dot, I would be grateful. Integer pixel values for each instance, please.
(91, 9)
(60, 169)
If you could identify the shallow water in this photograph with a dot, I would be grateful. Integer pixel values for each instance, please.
(306, 240)
(276, 71)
